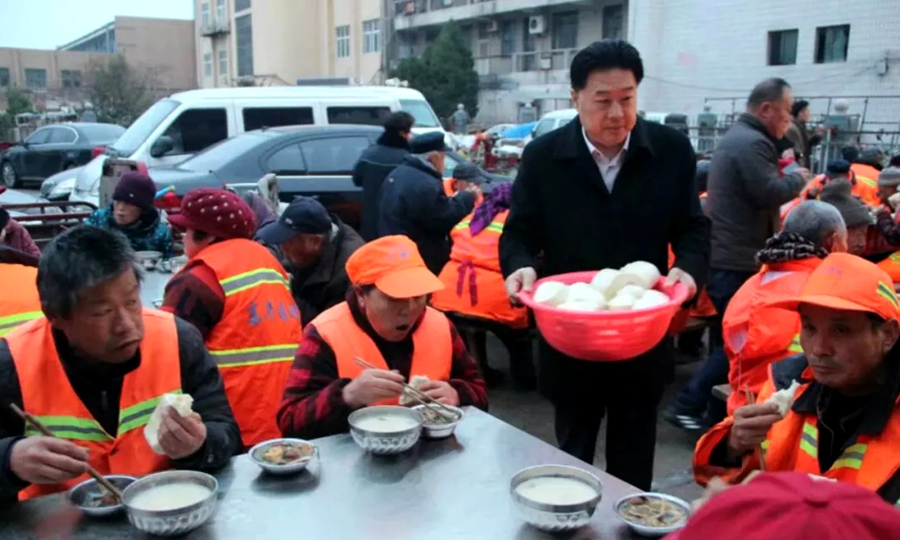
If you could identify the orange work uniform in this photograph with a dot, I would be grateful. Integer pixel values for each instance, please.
(473, 283)
(755, 335)
(891, 265)
(19, 302)
(792, 444)
(49, 396)
(255, 341)
(432, 345)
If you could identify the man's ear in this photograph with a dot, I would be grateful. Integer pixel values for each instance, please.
(890, 332)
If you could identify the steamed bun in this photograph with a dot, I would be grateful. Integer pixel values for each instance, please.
(416, 381)
(582, 292)
(551, 293)
(646, 272)
(621, 302)
(182, 404)
(651, 298)
(603, 279)
(634, 291)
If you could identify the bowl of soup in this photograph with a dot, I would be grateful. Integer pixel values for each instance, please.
(95, 500)
(283, 456)
(172, 502)
(653, 514)
(385, 429)
(556, 498)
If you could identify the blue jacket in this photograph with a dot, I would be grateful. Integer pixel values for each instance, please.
(149, 233)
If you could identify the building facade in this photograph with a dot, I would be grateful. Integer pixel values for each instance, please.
(288, 42)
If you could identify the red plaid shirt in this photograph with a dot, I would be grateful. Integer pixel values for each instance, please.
(313, 404)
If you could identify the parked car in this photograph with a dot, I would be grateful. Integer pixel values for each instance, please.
(59, 186)
(55, 148)
(550, 121)
(315, 161)
(179, 126)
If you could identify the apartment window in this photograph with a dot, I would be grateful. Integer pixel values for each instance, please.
(241, 5)
(36, 79)
(221, 11)
(4, 77)
(70, 78)
(371, 36)
(342, 39)
(223, 63)
(207, 64)
(783, 47)
(204, 15)
(260, 117)
(529, 44)
(243, 30)
(565, 30)
(507, 38)
(614, 22)
(831, 43)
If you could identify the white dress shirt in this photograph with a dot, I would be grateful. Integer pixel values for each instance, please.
(609, 168)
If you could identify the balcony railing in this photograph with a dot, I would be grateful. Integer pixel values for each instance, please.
(215, 28)
(525, 61)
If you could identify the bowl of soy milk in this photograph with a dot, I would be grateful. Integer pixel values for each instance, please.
(385, 429)
(556, 498)
(171, 503)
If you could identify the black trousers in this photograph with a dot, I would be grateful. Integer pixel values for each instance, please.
(626, 393)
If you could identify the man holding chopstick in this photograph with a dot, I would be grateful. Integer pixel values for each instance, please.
(386, 323)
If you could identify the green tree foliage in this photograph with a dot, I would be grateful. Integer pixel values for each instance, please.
(119, 93)
(445, 73)
(17, 102)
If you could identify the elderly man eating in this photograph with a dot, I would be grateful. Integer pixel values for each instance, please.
(842, 421)
(94, 367)
(387, 322)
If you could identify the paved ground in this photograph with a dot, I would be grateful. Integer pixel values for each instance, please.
(532, 413)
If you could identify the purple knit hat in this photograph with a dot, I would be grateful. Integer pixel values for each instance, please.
(135, 188)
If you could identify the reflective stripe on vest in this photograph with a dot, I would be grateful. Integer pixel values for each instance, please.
(494, 226)
(253, 278)
(71, 427)
(795, 346)
(852, 458)
(868, 181)
(254, 355)
(809, 440)
(887, 292)
(10, 322)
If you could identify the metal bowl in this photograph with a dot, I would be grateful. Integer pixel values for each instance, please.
(177, 521)
(81, 493)
(385, 442)
(438, 431)
(148, 259)
(553, 517)
(257, 452)
(653, 531)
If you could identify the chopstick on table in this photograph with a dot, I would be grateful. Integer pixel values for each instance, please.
(414, 393)
(36, 424)
(751, 399)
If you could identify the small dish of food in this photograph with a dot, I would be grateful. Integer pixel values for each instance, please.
(653, 514)
(283, 456)
(148, 259)
(436, 422)
(385, 429)
(94, 500)
(556, 498)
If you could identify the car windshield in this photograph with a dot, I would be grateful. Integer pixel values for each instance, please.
(140, 130)
(545, 126)
(222, 153)
(102, 133)
(421, 111)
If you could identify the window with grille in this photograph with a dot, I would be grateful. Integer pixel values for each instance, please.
(565, 30)
(243, 30)
(371, 36)
(221, 12)
(204, 15)
(783, 47)
(70, 78)
(507, 38)
(831, 43)
(207, 64)
(4, 77)
(223, 63)
(241, 5)
(342, 41)
(36, 79)
(614, 22)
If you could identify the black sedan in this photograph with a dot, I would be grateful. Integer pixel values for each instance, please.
(54, 148)
(316, 161)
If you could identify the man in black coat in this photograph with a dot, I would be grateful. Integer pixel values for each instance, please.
(376, 162)
(413, 202)
(605, 190)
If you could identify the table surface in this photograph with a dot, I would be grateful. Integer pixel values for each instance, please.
(456, 488)
(153, 287)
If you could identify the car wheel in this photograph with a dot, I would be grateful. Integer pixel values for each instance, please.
(8, 175)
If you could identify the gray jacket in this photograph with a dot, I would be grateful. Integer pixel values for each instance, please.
(745, 194)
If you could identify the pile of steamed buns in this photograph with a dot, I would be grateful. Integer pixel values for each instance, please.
(630, 287)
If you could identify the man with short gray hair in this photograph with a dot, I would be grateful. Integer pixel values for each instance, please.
(94, 368)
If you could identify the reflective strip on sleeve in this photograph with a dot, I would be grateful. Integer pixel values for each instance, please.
(139, 414)
(462, 224)
(765, 444)
(254, 355)
(795, 346)
(71, 428)
(10, 322)
(852, 457)
(888, 292)
(809, 440)
(494, 226)
(254, 278)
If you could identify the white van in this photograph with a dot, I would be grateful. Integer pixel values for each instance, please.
(178, 126)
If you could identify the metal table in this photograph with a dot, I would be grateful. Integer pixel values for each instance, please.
(457, 488)
(153, 287)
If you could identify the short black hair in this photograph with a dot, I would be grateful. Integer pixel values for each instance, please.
(604, 55)
(79, 259)
(895, 161)
(850, 153)
(766, 92)
(399, 122)
(798, 107)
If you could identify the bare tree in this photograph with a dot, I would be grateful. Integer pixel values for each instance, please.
(119, 92)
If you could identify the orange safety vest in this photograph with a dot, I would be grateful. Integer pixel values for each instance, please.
(476, 259)
(756, 335)
(255, 342)
(792, 445)
(48, 395)
(19, 302)
(891, 265)
(432, 345)
(866, 186)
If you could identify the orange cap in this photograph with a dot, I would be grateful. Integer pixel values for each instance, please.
(393, 264)
(847, 282)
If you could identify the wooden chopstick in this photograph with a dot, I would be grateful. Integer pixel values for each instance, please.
(424, 399)
(751, 399)
(36, 424)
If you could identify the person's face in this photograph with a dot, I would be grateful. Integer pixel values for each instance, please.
(125, 213)
(839, 242)
(192, 246)
(844, 348)
(406, 135)
(437, 161)
(607, 106)
(107, 324)
(804, 115)
(304, 250)
(776, 115)
(462, 185)
(392, 318)
(856, 239)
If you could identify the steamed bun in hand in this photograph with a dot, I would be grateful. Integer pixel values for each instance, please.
(645, 272)
(551, 293)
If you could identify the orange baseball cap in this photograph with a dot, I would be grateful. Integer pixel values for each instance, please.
(847, 282)
(393, 264)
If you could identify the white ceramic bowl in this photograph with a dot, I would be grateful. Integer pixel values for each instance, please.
(645, 530)
(438, 431)
(257, 451)
(555, 517)
(383, 443)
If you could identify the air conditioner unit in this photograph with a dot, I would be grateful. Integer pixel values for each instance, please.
(537, 24)
(491, 26)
